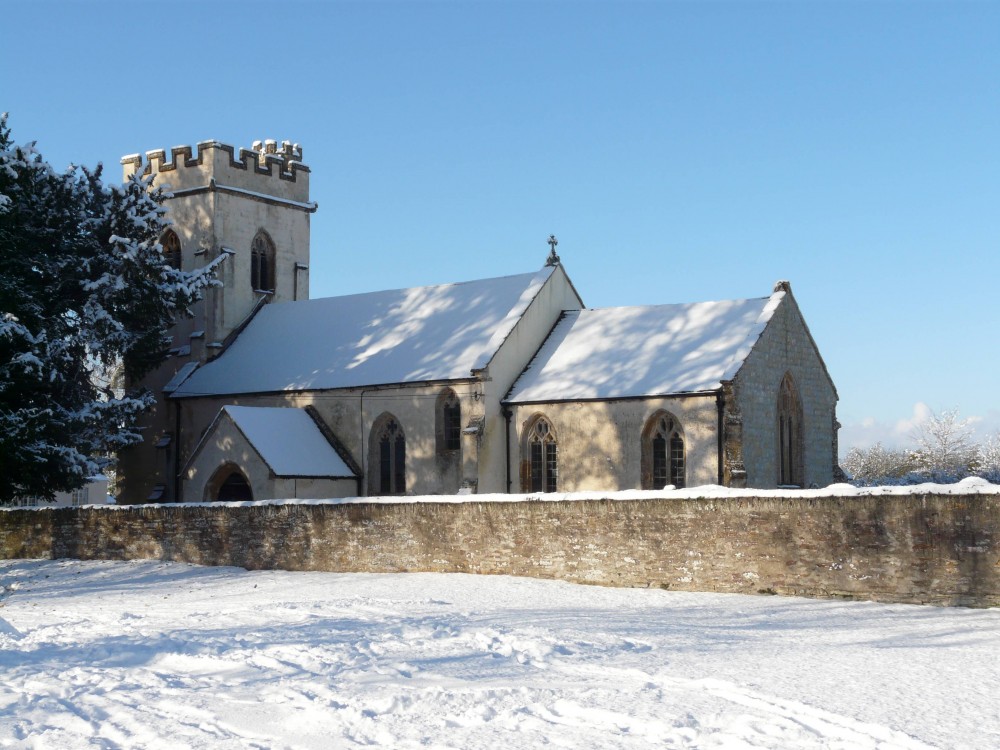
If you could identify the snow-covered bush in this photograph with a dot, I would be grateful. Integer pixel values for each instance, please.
(945, 446)
(877, 465)
(84, 289)
(988, 458)
(945, 453)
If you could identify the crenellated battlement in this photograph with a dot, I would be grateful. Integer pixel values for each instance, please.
(267, 158)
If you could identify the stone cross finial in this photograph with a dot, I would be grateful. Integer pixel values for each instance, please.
(553, 259)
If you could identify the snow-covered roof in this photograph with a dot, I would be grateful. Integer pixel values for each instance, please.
(180, 376)
(623, 352)
(288, 441)
(406, 335)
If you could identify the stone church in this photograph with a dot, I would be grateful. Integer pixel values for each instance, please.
(502, 385)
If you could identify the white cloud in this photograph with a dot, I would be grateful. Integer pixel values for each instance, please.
(904, 427)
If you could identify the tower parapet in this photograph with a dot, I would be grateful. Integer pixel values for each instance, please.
(267, 167)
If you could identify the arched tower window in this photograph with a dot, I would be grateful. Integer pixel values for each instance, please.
(790, 436)
(663, 455)
(541, 460)
(229, 484)
(262, 263)
(171, 245)
(387, 457)
(448, 423)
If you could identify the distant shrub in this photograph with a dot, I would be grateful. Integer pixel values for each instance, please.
(877, 465)
(945, 453)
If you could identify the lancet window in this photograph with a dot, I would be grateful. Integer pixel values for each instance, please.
(262, 263)
(449, 422)
(790, 436)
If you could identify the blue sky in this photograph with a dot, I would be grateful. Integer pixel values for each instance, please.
(679, 151)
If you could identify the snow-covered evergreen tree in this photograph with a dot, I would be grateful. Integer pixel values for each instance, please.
(84, 289)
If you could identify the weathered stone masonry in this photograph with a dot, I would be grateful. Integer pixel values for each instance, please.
(937, 549)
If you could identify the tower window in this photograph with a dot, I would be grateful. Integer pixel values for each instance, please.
(262, 263)
(171, 245)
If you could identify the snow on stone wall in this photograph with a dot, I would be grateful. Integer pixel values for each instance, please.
(917, 547)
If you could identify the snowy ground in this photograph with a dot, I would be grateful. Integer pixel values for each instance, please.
(154, 655)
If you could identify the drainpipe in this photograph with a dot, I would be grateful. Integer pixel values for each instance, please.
(362, 449)
(720, 403)
(507, 414)
(177, 451)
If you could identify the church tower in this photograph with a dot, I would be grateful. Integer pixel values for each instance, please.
(248, 211)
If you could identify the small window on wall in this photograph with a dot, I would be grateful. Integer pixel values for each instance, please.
(663, 458)
(171, 245)
(449, 423)
(542, 460)
(262, 263)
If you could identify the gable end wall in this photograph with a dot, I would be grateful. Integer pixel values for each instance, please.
(515, 353)
(786, 346)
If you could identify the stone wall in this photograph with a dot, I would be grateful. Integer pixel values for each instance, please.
(938, 549)
(600, 442)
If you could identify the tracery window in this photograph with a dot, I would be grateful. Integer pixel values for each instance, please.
(171, 245)
(663, 453)
(262, 263)
(387, 457)
(543, 457)
(449, 422)
(790, 437)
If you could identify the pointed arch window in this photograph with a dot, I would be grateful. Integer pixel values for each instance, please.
(663, 453)
(262, 263)
(542, 462)
(387, 457)
(171, 245)
(789, 434)
(448, 423)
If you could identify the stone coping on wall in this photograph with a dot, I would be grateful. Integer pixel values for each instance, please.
(967, 486)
